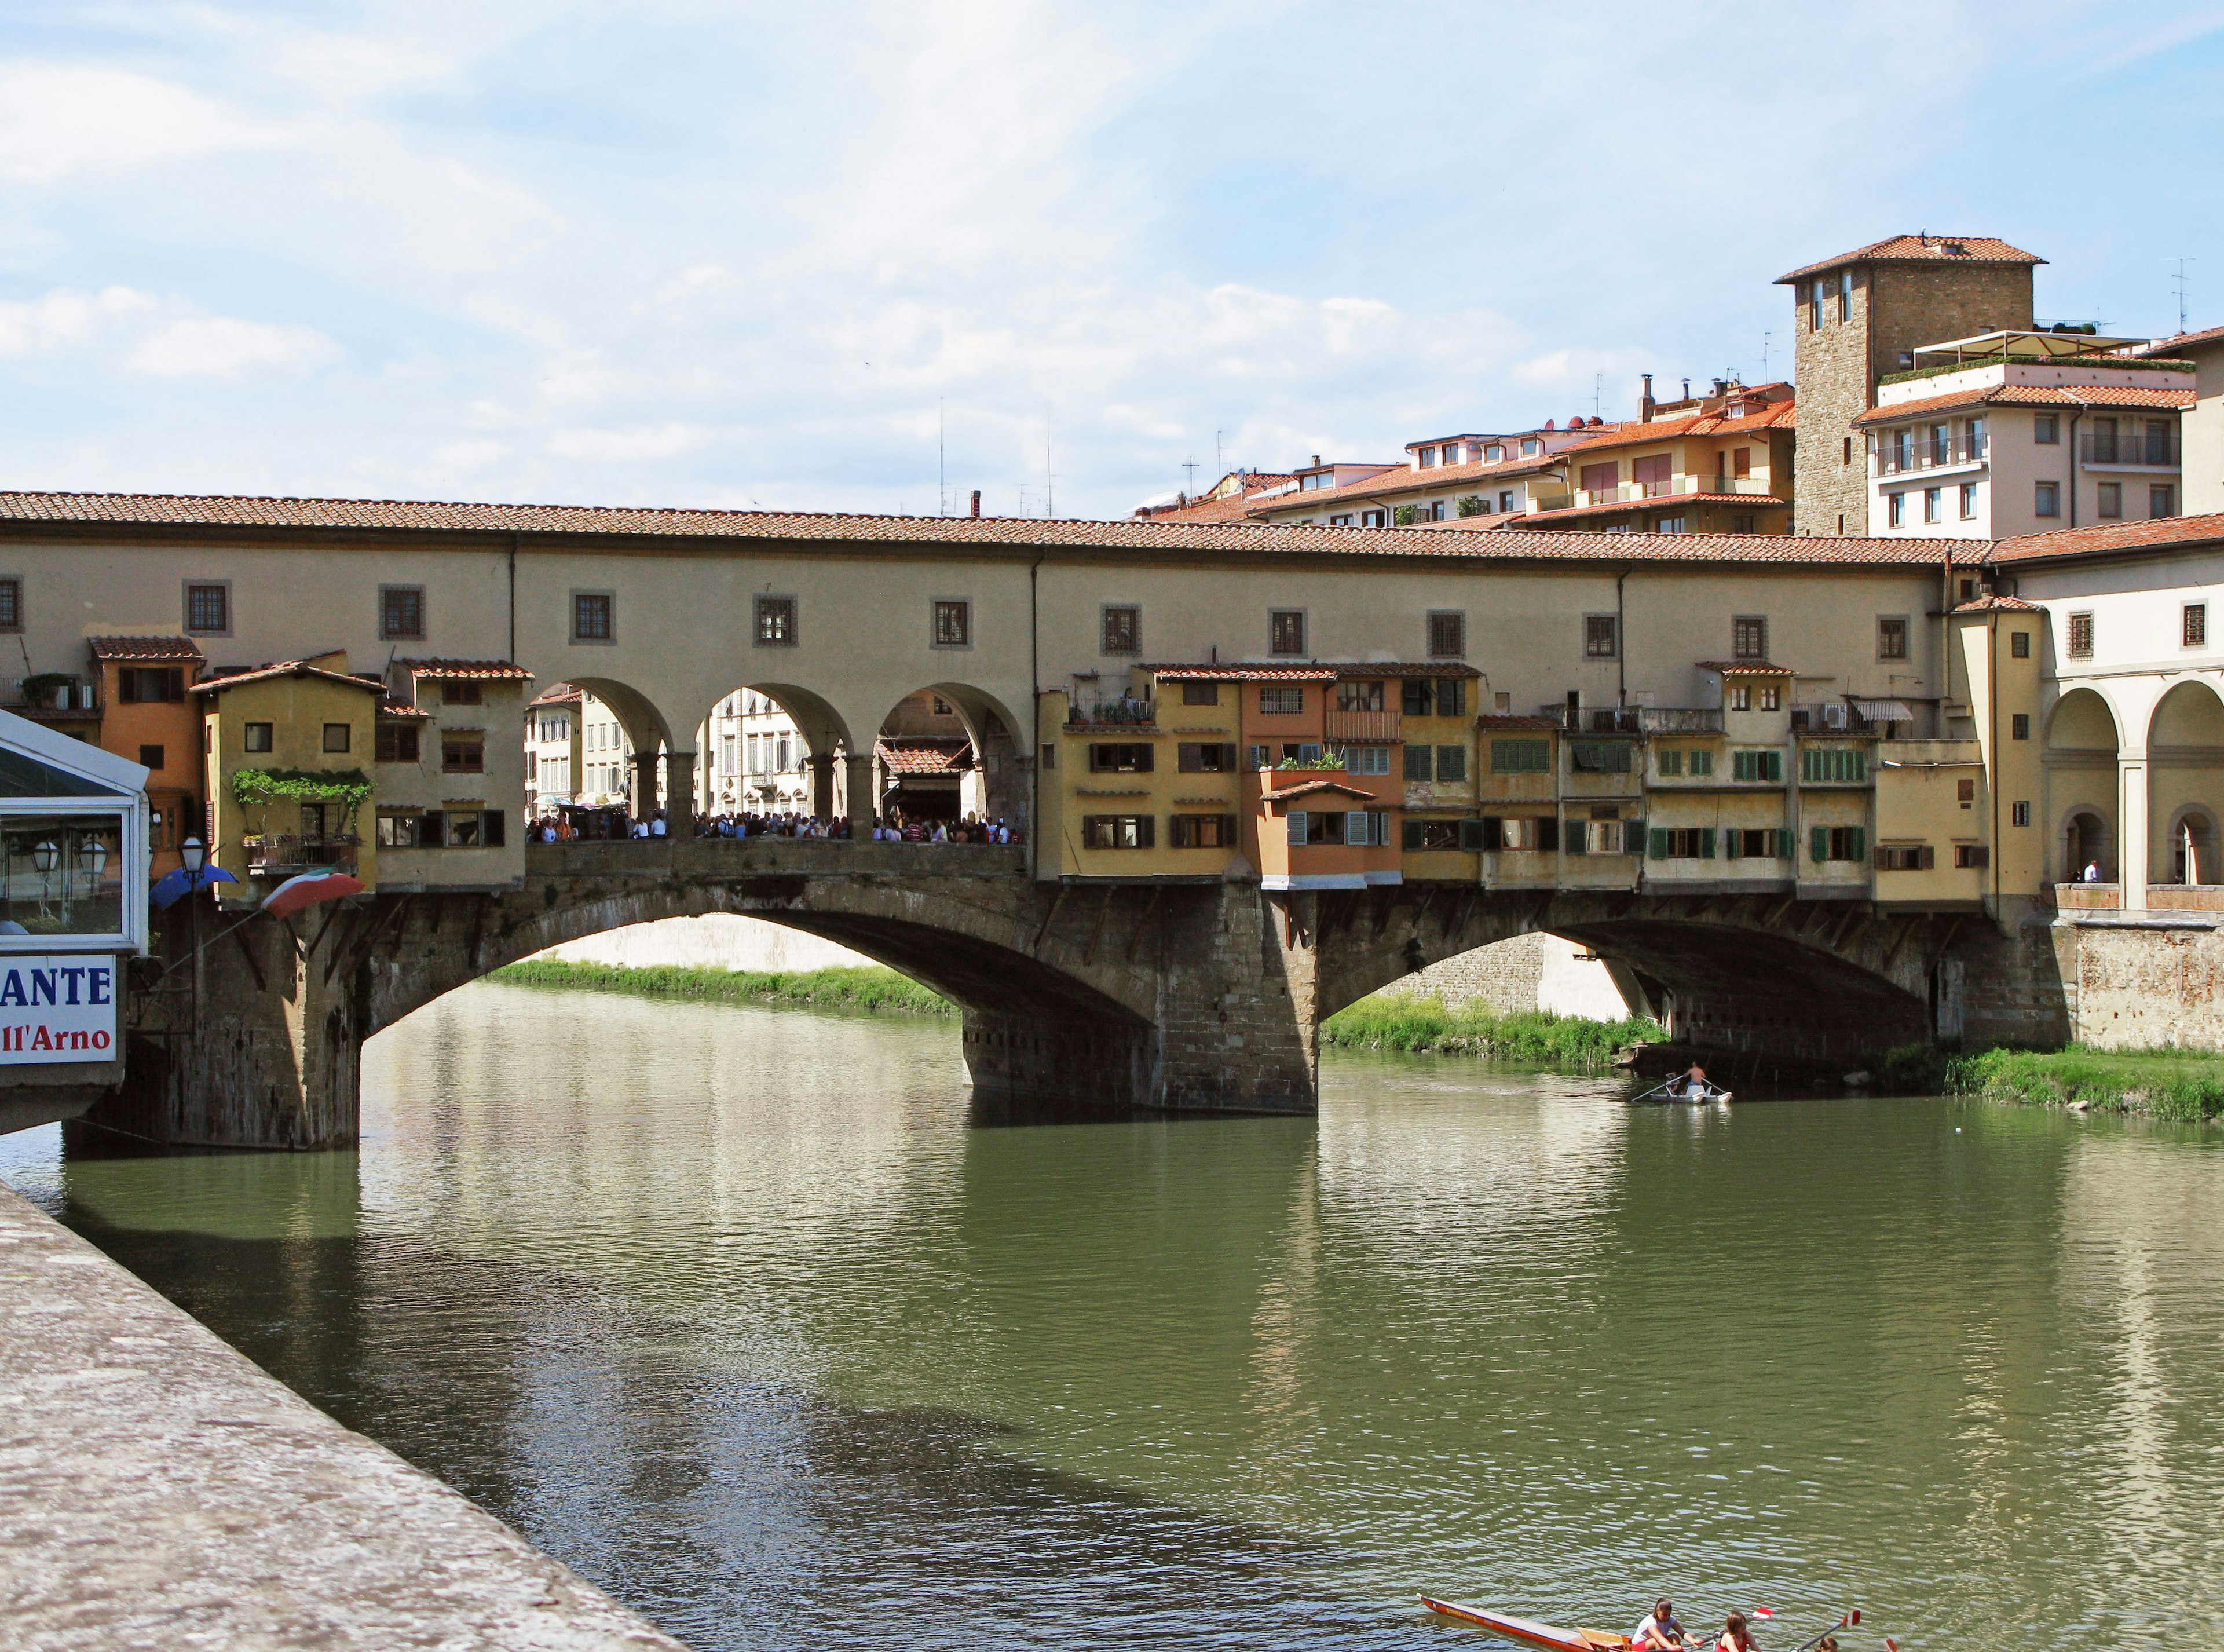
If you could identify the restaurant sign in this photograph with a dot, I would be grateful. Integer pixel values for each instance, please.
(59, 1007)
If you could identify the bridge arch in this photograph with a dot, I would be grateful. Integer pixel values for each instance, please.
(815, 781)
(2185, 763)
(949, 750)
(2084, 740)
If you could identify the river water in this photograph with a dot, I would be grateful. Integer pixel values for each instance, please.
(738, 1311)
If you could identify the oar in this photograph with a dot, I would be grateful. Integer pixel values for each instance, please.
(1849, 1621)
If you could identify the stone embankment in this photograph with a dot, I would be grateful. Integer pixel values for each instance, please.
(159, 1490)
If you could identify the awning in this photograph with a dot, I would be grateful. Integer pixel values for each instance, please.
(1885, 711)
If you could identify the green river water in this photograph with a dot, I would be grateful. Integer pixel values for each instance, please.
(742, 1313)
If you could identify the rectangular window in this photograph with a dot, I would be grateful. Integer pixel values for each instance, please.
(396, 743)
(151, 757)
(1420, 763)
(1355, 696)
(1452, 697)
(1932, 500)
(1600, 636)
(1826, 765)
(1837, 842)
(2019, 645)
(2081, 636)
(593, 617)
(461, 690)
(2162, 500)
(775, 621)
(2020, 726)
(1202, 831)
(1120, 629)
(2046, 498)
(1756, 766)
(1451, 764)
(1969, 501)
(1601, 477)
(336, 736)
(1417, 697)
(1442, 834)
(1200, 694)
(1127, 758)
(1286, 630)
(1895, 510)
(1845, 295)
(1702, 764)
(1599, 756)
(1972, 854)
(1904, 857)
(1520, 757)
(1193, 759)
(255, 737)
(463, 754)
(2019, 814)
(1306, 754)
(1683, 842)
(2110, 499)
(1281, 699)
(2045, 428)
(1740, 697)
(1749, 843)
(402, 613)
(208, 609)
(1670, 760)
(1965, 792)
(2193, 625)
(397, 830)
(1771, 698)
(953, 623)
(1118, 830)
(1892, 637)
(150, 685)
(12, 604)
(1447, 636)
(1363, 760)
(1749, 636)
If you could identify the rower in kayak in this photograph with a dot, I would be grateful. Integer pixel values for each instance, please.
(1695, 1082)
(1659, 1632)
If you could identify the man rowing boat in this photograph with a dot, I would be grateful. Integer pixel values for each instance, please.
(1659, 1632)
(1695, 1082)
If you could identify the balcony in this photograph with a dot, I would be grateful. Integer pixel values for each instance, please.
(1623, 493)
(1597, 719)
(1930, 453)
(1123, 712)
(1679, 719)
(285, 857)
(2141, 450)
(1362, 728)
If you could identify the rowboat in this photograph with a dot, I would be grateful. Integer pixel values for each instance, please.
(1528, 1632)
(1678, 1089)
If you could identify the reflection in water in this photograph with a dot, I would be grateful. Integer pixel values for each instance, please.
(738, 1312)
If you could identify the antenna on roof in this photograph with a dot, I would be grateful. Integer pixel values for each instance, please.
(941, 458)
(1598, 384)
(1219, 453)
(2178, 280)
(1764, 355)
(1189, 464)
(1050, 497)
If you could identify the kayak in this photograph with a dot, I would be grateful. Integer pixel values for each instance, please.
(1529, 1631)
(1677, 1090)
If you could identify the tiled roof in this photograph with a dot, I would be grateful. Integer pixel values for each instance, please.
(1406, 478)
(1530, 521)
(171, 649)
(906, 756)
(1171, 539)
(478, 670)
(2031, 396)
(1632, 433)
(1922, 250)
(559, 693)
(1236, 507)
(1744, 667)
(2112, 536)
(2170, 346)
(1997, 605)
(1243, 673)
(1407, 669)
(393, 709)
(1316, 787)
(1791, 550)
(286, 669)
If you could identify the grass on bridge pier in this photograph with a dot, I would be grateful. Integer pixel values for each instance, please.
(869, 988)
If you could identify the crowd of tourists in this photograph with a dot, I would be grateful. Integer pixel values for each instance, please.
(561, 827)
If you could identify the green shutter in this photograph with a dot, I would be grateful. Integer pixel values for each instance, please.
(1660, 843)
(1707, 844)
(1297, 819)
(1578, 837)
(1413, 833)
(1818, 843)
(1470, 836)
(1860, 844)
(1733, 844)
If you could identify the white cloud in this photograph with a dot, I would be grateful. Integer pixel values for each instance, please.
(58, 120)
(215, 346)
(62, 319)
(622, 447)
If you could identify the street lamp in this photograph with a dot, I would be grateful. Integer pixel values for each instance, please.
(194, 853)
(46, 857)
(93, 855)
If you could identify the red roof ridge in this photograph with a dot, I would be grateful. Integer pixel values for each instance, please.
(1922, 247)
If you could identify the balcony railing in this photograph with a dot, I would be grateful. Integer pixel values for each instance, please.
(1623, 493)
(284, 855)
(1123, 712)
(1378, 728)
(1930, 453)
(1679, 719)
(2149, 449)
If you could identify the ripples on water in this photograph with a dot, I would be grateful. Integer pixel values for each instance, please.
(737, 1312)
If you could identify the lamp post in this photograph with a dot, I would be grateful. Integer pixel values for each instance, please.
(46, 855)
(194, 853)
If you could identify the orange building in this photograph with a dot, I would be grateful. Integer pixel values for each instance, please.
(147, 716)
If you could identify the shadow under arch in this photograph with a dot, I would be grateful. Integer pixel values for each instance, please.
(2185, 780)
(997, 743)
(2083, 741)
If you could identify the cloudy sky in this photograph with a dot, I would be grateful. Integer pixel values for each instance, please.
(672, 252)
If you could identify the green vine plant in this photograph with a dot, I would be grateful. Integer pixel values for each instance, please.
(260, 788)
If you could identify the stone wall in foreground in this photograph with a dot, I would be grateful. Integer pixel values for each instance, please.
(2143, 981)
(158, 1490)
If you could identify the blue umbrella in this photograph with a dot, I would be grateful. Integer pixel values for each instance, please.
(174, 886)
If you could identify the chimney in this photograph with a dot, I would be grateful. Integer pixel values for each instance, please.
(1721, 388)
(1687, 389)
(976, 502)
(1548, 424)
(1645, 402)
(1315, 464)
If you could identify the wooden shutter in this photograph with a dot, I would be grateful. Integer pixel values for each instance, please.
(1818, 843)
(1660, 843)
(1578, 837)
(1861, 843)
(1413, 834)
(1297, 821)
(1472, 833)
(1707, 843)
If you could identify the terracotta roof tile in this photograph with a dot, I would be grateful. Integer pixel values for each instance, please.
(923, 755)
(559, 693)
(402, 710)
(1407, 669)
(1530, 521)
(1315, 788)
(173, 648)
(1744, 667)
(2105, 537)
(1262, 673)
(1632, 433)
(285, 669)
(2031, 396)
(1922, 250)
(1997, 605)
(2167, 347)
(480, 670)
(1171, 539)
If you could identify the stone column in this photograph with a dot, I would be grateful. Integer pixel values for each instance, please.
(822, 784)
(857, 780)
(642, 801)
(2132, 831)
(679, 794)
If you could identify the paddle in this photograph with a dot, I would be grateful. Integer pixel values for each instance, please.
(1849, 1621)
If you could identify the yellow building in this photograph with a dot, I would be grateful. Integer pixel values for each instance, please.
(286, 749)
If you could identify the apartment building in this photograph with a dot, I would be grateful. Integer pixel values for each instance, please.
(447, 776)
(1721, 462)
(555, 743)
(2012, 432)
(1443, 478)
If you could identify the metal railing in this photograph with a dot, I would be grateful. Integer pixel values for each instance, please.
(1123, 712)
(1377, 727)
(1679, 719)
(2158, 449)
(284, 855)
(1928, 453)
(1623, 493)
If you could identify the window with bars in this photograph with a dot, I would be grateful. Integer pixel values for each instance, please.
(402, 613)
(2193, 622)
(1749, 636)
(593, 617)
(208, 609)
(1601, 636)
(2019, 645)
(1892, 637)
(2081, 636)
(1447, 635)
(1286, 630)
(775, 621)
(1281, 699)
(1120, 631)
(12, 604)
(953, 623)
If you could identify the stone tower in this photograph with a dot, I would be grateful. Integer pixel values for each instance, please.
(1861, 315)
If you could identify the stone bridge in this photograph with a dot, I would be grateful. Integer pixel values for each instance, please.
(1180, 996)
